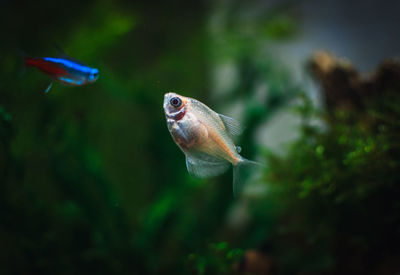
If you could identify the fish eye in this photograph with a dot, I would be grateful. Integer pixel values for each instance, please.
(175, 101)
(95, 74)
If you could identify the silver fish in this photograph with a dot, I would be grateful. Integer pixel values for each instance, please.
(205, 137)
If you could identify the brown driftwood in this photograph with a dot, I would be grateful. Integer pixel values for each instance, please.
(343, 87)
(255, 262)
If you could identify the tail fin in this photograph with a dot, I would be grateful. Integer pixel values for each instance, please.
(241, 171)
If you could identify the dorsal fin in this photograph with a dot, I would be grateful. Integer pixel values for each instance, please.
(59, 49)
(232, 125)
(63, 55)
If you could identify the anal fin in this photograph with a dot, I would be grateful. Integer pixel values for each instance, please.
(206, 167)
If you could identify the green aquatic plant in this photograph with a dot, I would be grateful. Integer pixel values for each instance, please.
(339, 186)
(219, 258)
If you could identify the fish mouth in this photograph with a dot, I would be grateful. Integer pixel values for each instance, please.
(166, 100)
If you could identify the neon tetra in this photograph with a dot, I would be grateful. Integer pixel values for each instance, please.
(64, 70)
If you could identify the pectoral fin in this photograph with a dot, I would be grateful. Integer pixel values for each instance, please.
(49, 87)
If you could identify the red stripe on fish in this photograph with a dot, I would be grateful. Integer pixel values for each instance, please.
(45, 66)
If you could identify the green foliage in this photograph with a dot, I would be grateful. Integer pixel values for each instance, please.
(342, 181)
(279, 27)
(219, 259)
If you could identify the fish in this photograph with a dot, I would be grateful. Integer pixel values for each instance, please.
(205, 137)
(64, 70)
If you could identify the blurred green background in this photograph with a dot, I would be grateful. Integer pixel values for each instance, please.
(91, 180)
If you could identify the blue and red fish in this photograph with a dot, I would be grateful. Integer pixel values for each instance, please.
(64, 70)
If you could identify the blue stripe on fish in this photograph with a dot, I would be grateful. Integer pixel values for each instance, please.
(68, 80)
(73, 65)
